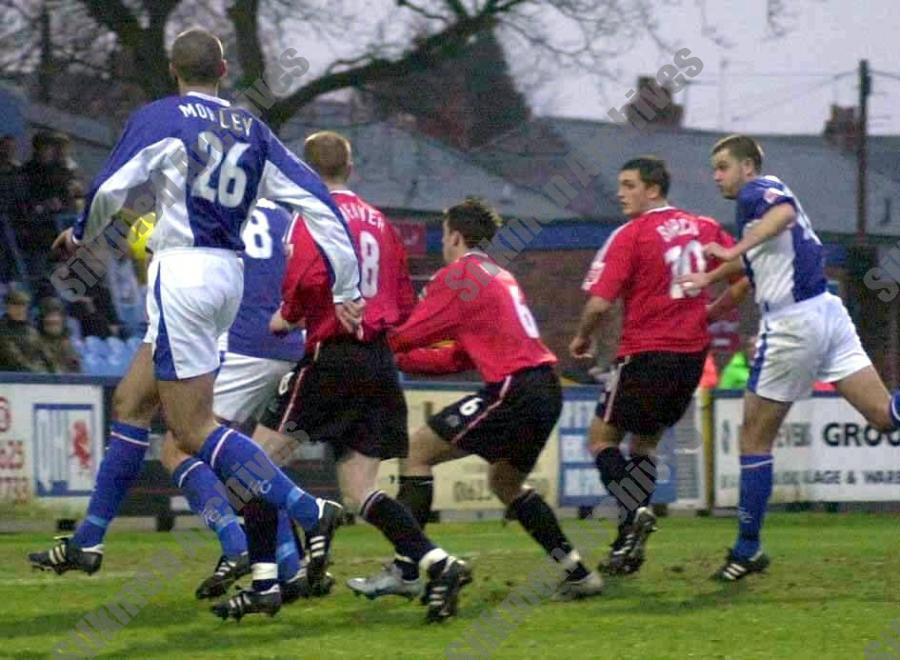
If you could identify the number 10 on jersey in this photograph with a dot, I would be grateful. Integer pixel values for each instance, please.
(684, 260)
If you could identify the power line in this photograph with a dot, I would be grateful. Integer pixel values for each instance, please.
(763, 99)
(758, 97)
(791, 74)
(781, 100)
(886, 74)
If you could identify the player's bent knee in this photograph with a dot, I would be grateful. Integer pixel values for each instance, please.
(645, 445)
(754, 441)
(131, 407)
(882, 421)
(170, 455)
(426, 449)
(505, 481)
(602, 436)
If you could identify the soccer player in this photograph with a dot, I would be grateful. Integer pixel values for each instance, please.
(482, 310)
(806, 333)
(205, 164)
(662, 348)
(254, 363)
(345, 391)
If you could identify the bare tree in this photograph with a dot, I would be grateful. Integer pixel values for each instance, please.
(350, 43)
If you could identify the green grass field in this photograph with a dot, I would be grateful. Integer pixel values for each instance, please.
(834, 586)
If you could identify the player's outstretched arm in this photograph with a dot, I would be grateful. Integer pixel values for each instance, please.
(593, 311)
(144, 147)
(450, 359)
(774, 221)
(732, 297)
(730, 270)
(279, 326)
(437, 315)
(64, 245)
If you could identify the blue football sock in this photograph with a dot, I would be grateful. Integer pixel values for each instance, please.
(206, 496)
(120, 466)
(756, 487)
(286, 554)
(895, 409)
(246, 471)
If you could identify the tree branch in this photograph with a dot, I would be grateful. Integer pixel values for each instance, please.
(116, 18)
(244, 14)
(421, 10)
(424, 55)
(458, 8)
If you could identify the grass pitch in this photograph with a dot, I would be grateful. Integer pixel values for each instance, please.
(833, 588)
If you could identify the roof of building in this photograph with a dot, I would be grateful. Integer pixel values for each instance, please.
(822, 176)
(401, 170)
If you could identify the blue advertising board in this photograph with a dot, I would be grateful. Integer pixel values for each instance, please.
(579, 481)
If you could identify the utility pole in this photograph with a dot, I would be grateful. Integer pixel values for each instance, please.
(865, 88)
(723, 70)
(45, 65)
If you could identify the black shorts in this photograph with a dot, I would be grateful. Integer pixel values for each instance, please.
(346, 393)
(649, 392)
(509, 420)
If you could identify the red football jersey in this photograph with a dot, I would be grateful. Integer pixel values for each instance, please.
(384, 275)
(435, 360)
(639, 263)
(480, 306)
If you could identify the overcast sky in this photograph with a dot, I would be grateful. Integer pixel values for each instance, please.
(783, 85)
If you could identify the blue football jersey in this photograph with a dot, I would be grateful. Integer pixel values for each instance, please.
(201, 164)
(264, 262)
(789, 267)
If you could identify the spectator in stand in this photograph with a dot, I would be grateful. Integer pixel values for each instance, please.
(127, 294)
(96, 312)
(20, 344)
(737, 372)
(58, 350)
(52, 188)
(13, 193)
(52, 181)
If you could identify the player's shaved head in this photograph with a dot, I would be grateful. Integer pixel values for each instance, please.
(652, 170)
(329, 154)
(742, 147)
(474, 219)
(198, 57)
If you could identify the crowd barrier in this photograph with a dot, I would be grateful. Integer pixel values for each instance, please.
(825, 452)
(52, 431)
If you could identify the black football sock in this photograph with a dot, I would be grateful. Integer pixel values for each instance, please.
(417, 493)
(401, 529)
(261, 520)
(641, 468)
(539, 521)
(611, 465)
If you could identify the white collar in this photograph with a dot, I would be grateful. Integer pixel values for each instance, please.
(214, 99)
(476, 253)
